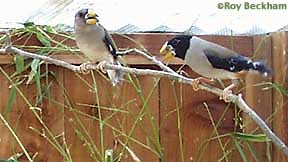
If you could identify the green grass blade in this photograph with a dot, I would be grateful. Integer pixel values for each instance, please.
(50, 29)
(9, 160)
(19, 61)
(15, 135)
(252, 151)
(28, 24)
(240, 150)
(34, 66)
(251, 137)
(11, 100)
(38, 86)
(3, 39)
(280, 88)
(44, 40)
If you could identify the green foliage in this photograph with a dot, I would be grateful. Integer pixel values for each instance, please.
(280, 88)
(9, 160)
(251, 137)
(240, 150)
(28, 24)
(252, 151)
(20, 63)
(13, 158)
(96, 149)
(34, 70)
(10, 102)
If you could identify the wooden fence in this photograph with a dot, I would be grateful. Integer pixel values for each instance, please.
(159, 99)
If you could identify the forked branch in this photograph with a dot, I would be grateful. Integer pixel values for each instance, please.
(168, 72)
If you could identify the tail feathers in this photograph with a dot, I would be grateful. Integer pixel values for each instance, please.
(261, 68)
(115, 76)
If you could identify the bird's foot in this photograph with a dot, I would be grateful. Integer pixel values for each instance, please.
(225, 95)
(227, 91)
(197, 81)
(182, 72)
(101, 65)
(84, 68)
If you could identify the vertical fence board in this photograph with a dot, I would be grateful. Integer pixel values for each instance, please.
(169, 134)
(143, 131)
(5, 146)
(112, 97)
(280, 117)
(53, 115)
(198, 128)
(21, 119)
(259, 99)
(79, 93)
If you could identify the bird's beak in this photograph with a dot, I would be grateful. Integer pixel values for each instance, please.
(168, 52)
(91, 17)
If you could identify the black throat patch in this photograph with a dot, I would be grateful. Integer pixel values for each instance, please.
(180, 44)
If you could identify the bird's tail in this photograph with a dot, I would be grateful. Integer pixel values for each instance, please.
(261, 67)
(115, 75)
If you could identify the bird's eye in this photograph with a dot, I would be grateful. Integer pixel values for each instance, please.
(81, 14)
(175, 42)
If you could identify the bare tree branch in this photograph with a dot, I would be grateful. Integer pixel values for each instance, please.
(168, 72)
(148, 57)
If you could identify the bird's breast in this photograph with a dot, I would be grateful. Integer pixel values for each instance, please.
(199, 63)
(95, 52)
(90, 42)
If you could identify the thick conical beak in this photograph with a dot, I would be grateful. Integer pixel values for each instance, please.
(168, 52)
(91, 17)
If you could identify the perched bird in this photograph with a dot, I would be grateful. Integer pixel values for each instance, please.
(211, 60)
(95, 43)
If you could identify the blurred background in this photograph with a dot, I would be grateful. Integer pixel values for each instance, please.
(127, 16)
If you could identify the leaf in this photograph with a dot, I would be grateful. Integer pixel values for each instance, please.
(34, 66)
(43, 51)
(44, 40)
(252, 151)
(50, 29)
(28, 24)
(3, 39)
(280, 88)
(10, 160)
(20, 63)
(11, 100)
(240, 150)
(37, 79)
(251, 137)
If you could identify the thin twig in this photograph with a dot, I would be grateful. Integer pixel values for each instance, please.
(148, 57)
(16, 138)
(11, 49)
(168, 72)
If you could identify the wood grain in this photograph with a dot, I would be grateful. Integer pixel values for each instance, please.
(21, 119)
(196, 126)
(280, 117)
(257, 97)
(111, 97)
(152, 42)
(169, 134)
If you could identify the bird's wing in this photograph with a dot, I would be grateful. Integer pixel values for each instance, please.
(110, 44)
(232, 63)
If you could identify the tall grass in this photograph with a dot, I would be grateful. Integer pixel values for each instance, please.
(113, 116)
